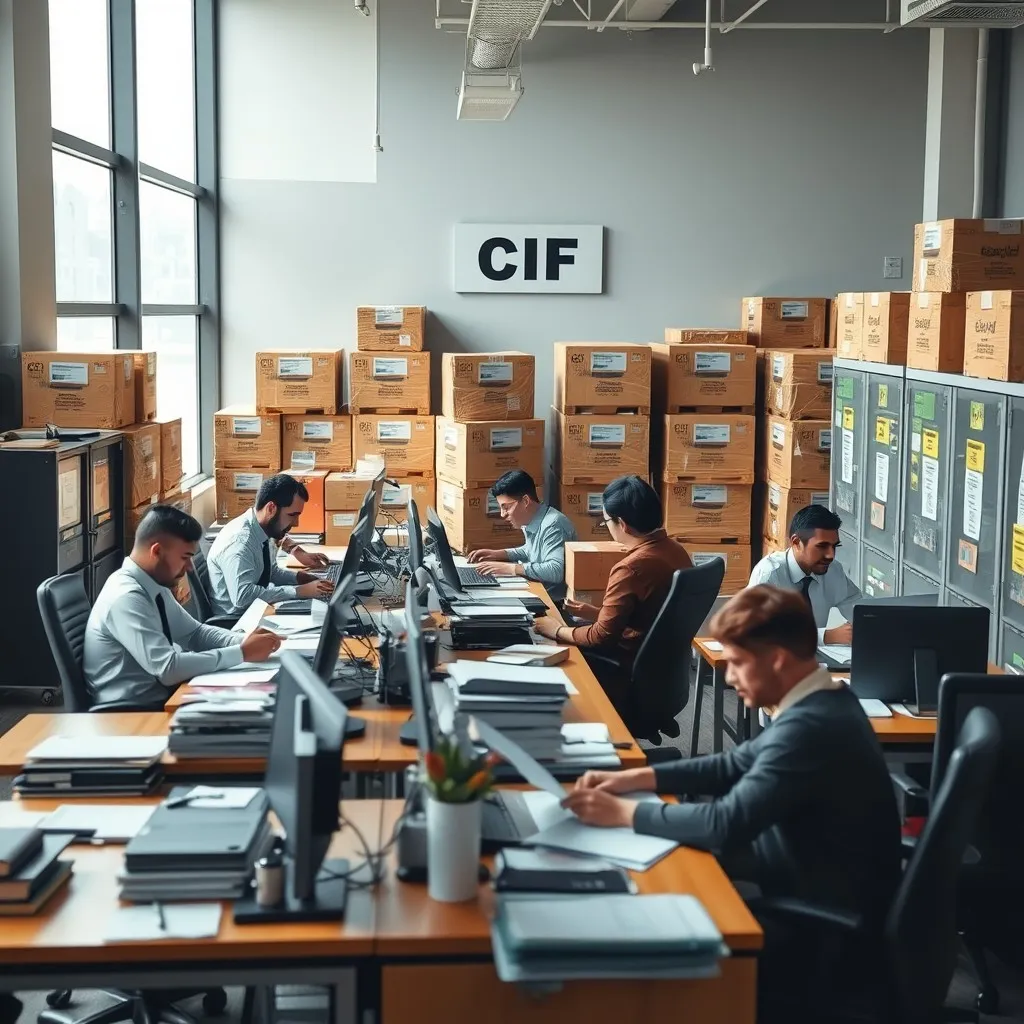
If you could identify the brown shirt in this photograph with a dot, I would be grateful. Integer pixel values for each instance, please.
(637, 588)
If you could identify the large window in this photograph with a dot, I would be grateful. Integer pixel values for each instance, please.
(134, 194)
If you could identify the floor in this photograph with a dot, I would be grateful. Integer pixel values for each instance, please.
(962, 992)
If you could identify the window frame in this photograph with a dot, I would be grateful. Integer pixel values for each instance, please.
(122, 160)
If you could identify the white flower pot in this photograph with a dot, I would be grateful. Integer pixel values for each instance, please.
(453, 850)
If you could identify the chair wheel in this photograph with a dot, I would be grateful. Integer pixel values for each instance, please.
(215, 1002)
(59, 1000)
(988, 1002)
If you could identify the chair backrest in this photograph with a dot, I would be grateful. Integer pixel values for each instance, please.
(199, 585)
(661, 671)
(921, 931)
(64, 608)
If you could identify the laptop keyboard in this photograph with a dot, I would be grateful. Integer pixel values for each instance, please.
(332, 574)
(469, 577)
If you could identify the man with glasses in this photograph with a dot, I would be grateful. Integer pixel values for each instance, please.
(545, 530)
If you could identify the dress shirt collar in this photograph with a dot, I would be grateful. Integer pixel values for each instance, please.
(651, 538)
(796, 574)
(136, 571)
(255, 528)
(534, 525)
(819, 679)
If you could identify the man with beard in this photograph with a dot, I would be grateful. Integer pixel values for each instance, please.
(139, 642)
(242, 560)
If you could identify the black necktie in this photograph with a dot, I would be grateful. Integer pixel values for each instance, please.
(265, 575)
(164, 624)
(805, 586)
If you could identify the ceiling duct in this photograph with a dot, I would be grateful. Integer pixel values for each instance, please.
(957, 14)
(648, 10)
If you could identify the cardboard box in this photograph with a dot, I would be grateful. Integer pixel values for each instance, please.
(145, 385)
(312, 519)
(785, 323)
(832, 340)
(779, 505)
(709, 374)
(735, 556)
(132, 518)
(994, 340)
(472, 520)
(389, 383)
(476, 454)
(179, 499)
(339, 527)
(344, 492)
(588, 564)
(390, 328)
(78, 389)
(405, 443)
(707, 511)
(170, 454)
(600, 448)
(703, 336)
(143, 481)
(602, 376)
(798, 452)
(850, 325)
(769, 546)
(316, 442)
(583, 505)
(968, 255)
(886, 323)
(937, 329)
(308, 381)
(491, 386)
(244, 439)
(237, 489)
(799, 384)
(714, 447)
(394, 501)
(592, 597)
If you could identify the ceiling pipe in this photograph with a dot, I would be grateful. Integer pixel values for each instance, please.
(979, 124)
(611, 14)
(743, 17)
(709, 64)
(629, 26)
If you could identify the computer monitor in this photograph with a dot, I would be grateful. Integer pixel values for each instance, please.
(423, 722)
(901, 652)
(303, 780)
(445, 557)
(371, 499)
(415, 537)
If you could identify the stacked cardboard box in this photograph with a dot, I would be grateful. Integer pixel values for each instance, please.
(246, 450)
(704, 395)
(390, 372)
(602, 421)
(487, 428)
(78, 389)
(588, 564)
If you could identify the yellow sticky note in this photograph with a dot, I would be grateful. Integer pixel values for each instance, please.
(976, 456)
(977, 416)
(882, 429)
(883, 396)
(915, 482)
(847, 417)
(930, 443)
(1017, 554)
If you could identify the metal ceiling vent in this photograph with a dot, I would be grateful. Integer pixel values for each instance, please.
(954, 14)
(492, 80)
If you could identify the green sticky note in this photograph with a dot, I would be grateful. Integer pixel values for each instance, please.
(844, 387)
(924, 405)
(916, 425)
(1018, 661)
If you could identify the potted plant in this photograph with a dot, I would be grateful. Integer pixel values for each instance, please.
(457, 780)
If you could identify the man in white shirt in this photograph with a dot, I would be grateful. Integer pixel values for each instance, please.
(139, 642)
(243, 561)
(808, 566)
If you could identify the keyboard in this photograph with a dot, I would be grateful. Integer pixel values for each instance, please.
(333, 576)
(470, 577)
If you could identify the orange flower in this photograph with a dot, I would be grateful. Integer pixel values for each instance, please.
(492, 759)
(480, 780)
(435, 767)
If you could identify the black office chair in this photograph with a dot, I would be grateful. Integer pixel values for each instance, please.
(917, 956)
(199, 585)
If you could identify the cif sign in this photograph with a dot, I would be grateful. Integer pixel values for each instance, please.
(512, 258)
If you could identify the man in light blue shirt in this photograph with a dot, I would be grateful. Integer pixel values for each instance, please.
(545, 530)
(809, 566)
(139, 642)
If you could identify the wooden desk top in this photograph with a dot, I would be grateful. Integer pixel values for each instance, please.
(409, 923)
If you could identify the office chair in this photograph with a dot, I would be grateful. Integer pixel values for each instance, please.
(917, 956)
(199, 584)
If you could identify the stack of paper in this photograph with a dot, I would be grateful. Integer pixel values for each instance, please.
(479, 626)
(123, 765)
(222, 728)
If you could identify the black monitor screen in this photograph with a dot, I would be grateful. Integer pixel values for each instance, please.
(444, 550)
(415, 537)
(419, 674)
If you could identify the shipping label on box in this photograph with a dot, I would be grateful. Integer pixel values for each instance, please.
(244, 438)
(706, 374)
(405, 443)
(601, 448)
(703, 336)
(476, 454)
(491, 386)
(236, 490)
(78, 390)
(609, 376)
(390, 328)
(314, 441)
(473, 520)
(785, 322)
(707, 511)
(735, 556)
(588, 564)
(798, 452)
(583, 505)
(394, 500)
(968, 255)
(298, 382)
(145, 385)
(799, 384)
(339, 527)
(936, 332)
(994, 337)
(850, 324)
(708, 447)
(397, 382)
(142, 473)
(780, 503)
(886, 326)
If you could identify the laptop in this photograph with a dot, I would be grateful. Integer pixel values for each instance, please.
(458, 578)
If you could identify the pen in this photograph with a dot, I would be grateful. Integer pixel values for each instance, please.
(160, 916)
(181, 801)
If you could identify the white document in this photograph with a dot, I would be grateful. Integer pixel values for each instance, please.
(841, 653)
(930, 488)
(290, 624)
(301, 643)
(488, 611)
(902, 709)
(585, 732)
(713, 645)
(505, 583)
(464, 671)
(98, 748)
(252, 617)
(974, 485)
(232, 680)
(222, 798)
(875, 708)
(180, 921)
(846, 467)
(103, 823)
(882, 476)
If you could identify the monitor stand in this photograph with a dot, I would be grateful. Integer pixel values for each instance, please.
(926, 683)
(327, 904)
(408, 735)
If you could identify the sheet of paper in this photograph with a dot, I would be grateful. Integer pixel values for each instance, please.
(290, 624)
(463, 670)
(536, 775)
(875, 708)
(222, 798)
(713, 645)
(252, 617)
(488, 611)
(235, 679)
(180, 921)
(585, 732)
(102, 822)
(98, 748)
(307, 644)
(841, 653)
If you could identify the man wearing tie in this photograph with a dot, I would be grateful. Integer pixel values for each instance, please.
(139, 642)
(242, 561)
(809, 566)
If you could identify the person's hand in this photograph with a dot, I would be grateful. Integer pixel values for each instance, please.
(547, 626)
(315, 588)
(259, 645)
(633, 780)
(310, 559)
(601, 808)
(840, 634)
(487, 555)
(577, 608)
(499, 568)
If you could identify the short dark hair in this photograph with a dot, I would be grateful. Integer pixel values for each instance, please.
(764, 616)
(281, 489)
(167, 521)
(810, 518)
(516, 483)
(635, 502)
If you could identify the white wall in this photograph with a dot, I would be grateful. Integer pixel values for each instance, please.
(794, 168)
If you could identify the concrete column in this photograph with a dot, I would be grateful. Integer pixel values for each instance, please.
(27, 279)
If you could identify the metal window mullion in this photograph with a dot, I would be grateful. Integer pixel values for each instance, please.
(172, 309)
(82, 309)
(147, 172)
(72, 145)
(124, 124)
